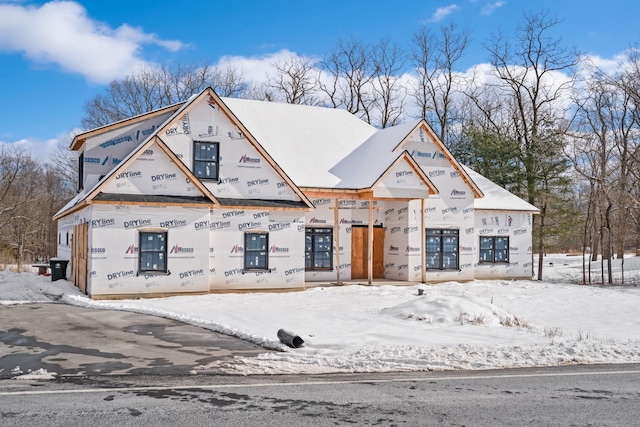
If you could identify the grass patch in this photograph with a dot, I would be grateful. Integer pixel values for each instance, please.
(473, 319)
(514, 322)
(552, 332)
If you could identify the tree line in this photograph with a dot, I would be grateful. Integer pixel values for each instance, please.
(31, 192)
(539, 119)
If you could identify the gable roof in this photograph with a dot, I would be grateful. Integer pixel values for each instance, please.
(179, 110)
(496, 197)
(409, 127)
(95, 194)
(310, 147)
(305, 141)
(79, 139)
(256, 143)
(415, 167)
(376, 153)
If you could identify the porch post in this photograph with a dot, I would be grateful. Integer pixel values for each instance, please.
(370, 241)
(423, 244)
(336, 238)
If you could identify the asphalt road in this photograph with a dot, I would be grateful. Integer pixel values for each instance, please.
(121, 368)
(68, 340)
(564, 396)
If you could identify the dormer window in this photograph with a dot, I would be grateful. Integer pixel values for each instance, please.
(205, 160)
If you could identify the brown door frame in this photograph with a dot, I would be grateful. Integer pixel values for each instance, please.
(362, 264)
(80, 255)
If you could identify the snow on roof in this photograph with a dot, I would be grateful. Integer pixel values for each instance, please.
(70, 204)
(322, 147)
(305, 141)
(363, 166)
(496, 197)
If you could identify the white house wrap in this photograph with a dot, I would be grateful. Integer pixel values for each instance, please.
(221, 194)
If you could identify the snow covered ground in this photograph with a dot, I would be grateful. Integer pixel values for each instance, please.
(352, 328)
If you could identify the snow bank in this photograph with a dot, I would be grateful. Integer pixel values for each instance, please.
(474, 325)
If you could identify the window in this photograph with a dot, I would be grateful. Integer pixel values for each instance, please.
(494, 249)
(205, 160)
(442, 249)
(255, 251)
(318, 250)
(153, 252)
(80, 171)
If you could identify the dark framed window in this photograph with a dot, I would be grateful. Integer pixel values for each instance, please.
(152, 252)
(205, 160)
(256, 251)
(318, 250)
(494, 249)
(80, 171)
(442, 249)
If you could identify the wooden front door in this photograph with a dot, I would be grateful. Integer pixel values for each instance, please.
(80, 255)
(360, 253)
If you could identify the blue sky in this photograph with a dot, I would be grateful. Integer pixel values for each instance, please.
(54, 56)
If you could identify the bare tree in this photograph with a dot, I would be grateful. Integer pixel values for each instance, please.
(14, 160)
(65, 162)
(229, 81)
(347, 77)
(294, 80)
(434, 58)
(533, 87)
(389, 92)
(54, 192)
(607, 155)
(19, 205)
(151, 88)
(629, 151)
(592, 155)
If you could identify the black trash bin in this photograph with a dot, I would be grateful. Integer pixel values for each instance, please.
(58, 268)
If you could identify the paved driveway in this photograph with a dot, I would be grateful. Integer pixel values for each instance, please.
(68, 340)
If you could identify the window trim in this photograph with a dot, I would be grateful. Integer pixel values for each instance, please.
(165, 251)
(312, 230)
(493, 250)
(247, 251)
(442, 233)
(217, 162)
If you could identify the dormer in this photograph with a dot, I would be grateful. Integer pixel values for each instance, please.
(102, 149)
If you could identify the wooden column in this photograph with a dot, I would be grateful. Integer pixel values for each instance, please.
(336, 238)
(423, 244)
(370, 242)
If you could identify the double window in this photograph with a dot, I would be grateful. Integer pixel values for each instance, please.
(318, 250)
(152, 252)
(494, 249)
(256, 251)
(206, 160)
(442, 249)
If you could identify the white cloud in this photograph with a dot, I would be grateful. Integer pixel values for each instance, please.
(61, 33)
(256, 68)
(610, 66)
(42, 150)
(442, 12)
(490, 8)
